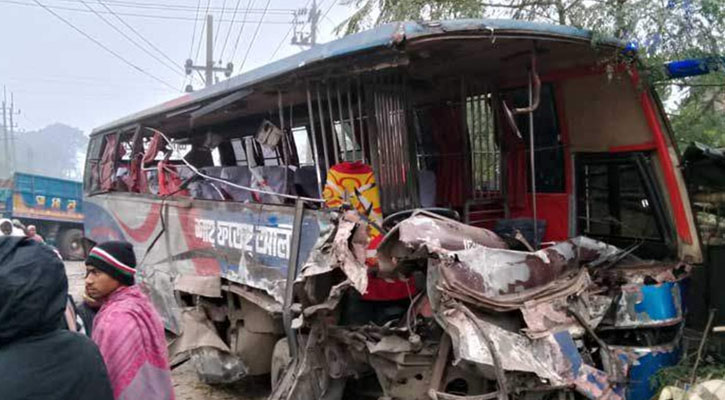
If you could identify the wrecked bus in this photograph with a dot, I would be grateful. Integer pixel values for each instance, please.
(469, 209)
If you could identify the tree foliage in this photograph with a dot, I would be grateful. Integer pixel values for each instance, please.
(662, 29)
(57, 150)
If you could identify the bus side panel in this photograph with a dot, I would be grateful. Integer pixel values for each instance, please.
(247, 244)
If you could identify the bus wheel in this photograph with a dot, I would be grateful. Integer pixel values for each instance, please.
(280, 361)
(70, 244)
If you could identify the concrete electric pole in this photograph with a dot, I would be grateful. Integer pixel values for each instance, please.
(300, 37)
(209, 68)
(13, 160)
(6, 142)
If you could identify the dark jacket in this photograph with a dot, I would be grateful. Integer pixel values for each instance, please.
(38, 360)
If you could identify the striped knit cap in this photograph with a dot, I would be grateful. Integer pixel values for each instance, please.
(115, 258)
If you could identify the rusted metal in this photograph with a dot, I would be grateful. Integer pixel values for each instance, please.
(495, 356)
(444, 348)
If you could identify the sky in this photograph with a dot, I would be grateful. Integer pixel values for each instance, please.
(56, 74)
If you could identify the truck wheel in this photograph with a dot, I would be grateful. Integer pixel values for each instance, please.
(70, 244)
(280, 361)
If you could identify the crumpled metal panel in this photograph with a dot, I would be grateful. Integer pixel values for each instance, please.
(505, 279)
(551, 315)
(646, 361)
(343, 248)
(472, 287)
(425, 232)
(199, 331)
(435, 232)
(554, 357)
(650, 294)
(641, 306)
(207, 286)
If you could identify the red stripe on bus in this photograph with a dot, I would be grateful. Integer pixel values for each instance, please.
(678, 206)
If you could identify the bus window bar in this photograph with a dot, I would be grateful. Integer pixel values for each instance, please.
(352, 120)
(336, 110)
(395, 168)
(322, 128)
(485, 156)
(360, 119)
(342, 122)
(332, 125)
(315, 149)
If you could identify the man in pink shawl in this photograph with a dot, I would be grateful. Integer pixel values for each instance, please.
(127, 329)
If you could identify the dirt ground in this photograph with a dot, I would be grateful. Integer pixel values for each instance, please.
(186, 384)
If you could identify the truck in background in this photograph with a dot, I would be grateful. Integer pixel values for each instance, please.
(54, 206)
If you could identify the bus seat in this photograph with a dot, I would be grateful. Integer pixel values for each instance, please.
(427, 188)
(184, 172)
(215, 172)
(211, 191)
(241, 176)
(305, 181)
(206, 189)
(272, 178)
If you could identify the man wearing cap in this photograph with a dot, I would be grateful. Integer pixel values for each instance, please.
(127, 329)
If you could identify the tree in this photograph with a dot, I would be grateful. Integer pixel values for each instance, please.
(700, 115)
(57, 150)
(662, 30)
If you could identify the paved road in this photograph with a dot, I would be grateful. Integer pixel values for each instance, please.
(186, 384)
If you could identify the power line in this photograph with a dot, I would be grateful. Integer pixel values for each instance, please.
(193, 33)
(221, 18)
(135, 43)
(239, 36)
(177, 7)
(201, 34)
(173, 64)
(326, 11)
(191, 46)
(229, 31)
(254, 38)
(104, 47)
(130, 14)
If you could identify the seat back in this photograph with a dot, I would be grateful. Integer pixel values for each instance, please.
(241, 176)
(305, 182)
(273, 178)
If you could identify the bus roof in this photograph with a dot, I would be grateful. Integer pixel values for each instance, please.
(381, 36)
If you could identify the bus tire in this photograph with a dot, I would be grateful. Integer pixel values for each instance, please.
(70, 244)
(280, 361)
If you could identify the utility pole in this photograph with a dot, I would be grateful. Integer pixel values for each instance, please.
(13, 161)
(314, 18)
(300, 37)
(209, 50)
(6, 147)
(209, 67)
